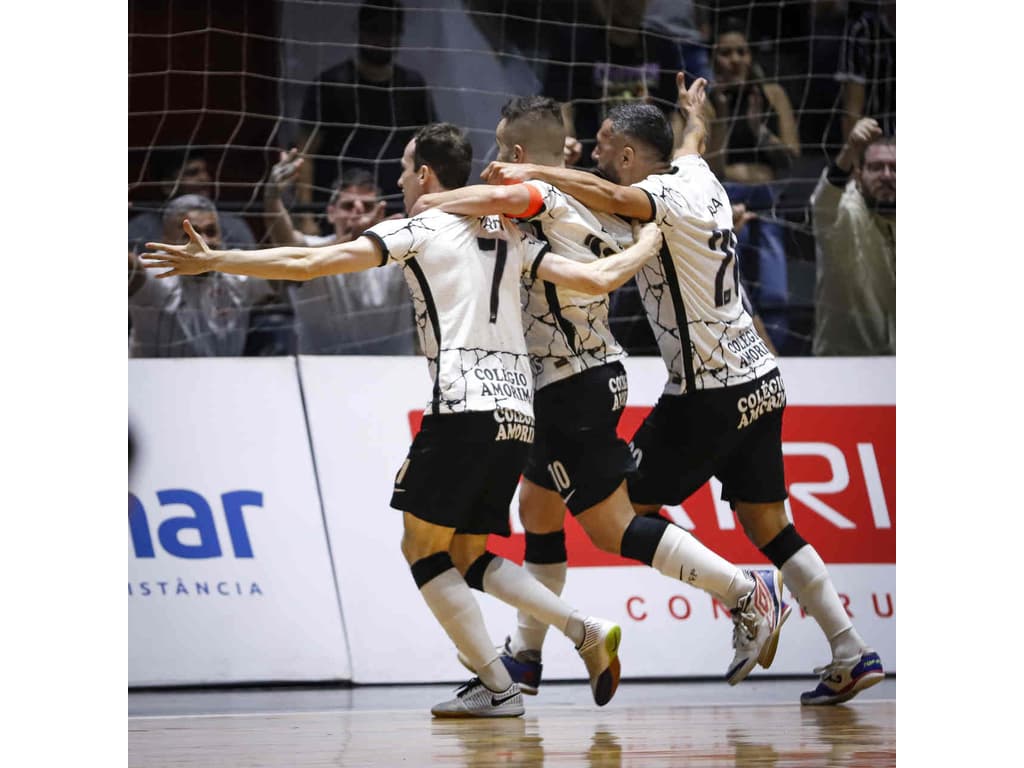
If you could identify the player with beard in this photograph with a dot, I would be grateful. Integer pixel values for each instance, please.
(855, 232)
(720, 413)
(463, 467)
(577, 459)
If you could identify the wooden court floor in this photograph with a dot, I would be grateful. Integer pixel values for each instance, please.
(759, 723)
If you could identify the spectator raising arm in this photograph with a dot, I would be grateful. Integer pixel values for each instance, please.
(829, 191)
(280, 229)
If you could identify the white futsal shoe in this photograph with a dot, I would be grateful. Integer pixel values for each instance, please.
(757, 620)
(474, 699)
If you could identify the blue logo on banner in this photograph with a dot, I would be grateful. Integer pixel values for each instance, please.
(201, 522)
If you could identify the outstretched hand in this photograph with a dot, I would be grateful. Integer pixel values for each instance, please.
(193, 258)
(507, 173)
(692, 107)
(692, 98)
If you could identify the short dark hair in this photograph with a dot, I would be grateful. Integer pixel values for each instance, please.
(383, 15)
(446, 150)
(356, 176)
(535, 122)
(884, 141)
(645, 123)
(522, 106)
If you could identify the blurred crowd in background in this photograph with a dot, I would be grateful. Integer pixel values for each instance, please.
(284, 124)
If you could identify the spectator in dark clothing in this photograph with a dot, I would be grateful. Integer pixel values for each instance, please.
(602, 57)
(753, 142)
(867, 69)
(685, 24)
(180, 172)
(363, 111)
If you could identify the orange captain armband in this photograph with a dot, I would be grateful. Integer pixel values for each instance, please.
(535, 206)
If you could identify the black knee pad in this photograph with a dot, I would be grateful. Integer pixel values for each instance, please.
(426, 568)
(785, 544)
(545, 548)
(641, 538)
(475, 572)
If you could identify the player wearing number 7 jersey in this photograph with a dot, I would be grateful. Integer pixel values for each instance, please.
(720, 413)
(455, 486)
(577, 459)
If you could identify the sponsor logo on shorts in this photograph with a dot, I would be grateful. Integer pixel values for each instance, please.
(619, 387)
(513, 425)
(770, 396)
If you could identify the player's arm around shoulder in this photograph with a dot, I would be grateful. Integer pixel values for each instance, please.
(516, 200)
(605, 274)
(591, 190)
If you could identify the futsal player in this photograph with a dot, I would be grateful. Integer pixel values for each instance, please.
(577, 459)
(720, 413)
(456, 484)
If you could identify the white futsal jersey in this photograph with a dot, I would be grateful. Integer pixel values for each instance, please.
(691, 289)
(464, 275)
(567, 332)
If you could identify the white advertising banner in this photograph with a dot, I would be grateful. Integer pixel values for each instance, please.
(229, 577)
(839, 444)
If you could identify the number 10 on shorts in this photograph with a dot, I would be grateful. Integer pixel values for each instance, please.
(559, 476)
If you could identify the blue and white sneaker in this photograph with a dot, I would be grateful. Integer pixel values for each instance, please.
(524, 668)
(845, 678)
(757, 620)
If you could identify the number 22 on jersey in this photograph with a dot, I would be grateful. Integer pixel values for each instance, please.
(725, 241)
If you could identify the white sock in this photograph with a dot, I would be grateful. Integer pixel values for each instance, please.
(530, 633)
(680, 556)
(453, 605)
(807, 578)
(511, 584)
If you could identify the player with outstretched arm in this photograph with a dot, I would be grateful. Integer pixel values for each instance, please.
(577, 459)
(463, 467)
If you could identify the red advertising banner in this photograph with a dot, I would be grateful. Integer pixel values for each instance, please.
(840, 472)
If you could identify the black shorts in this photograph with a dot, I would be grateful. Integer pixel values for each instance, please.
(463, 469)
(734, 434)
(577, 451)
